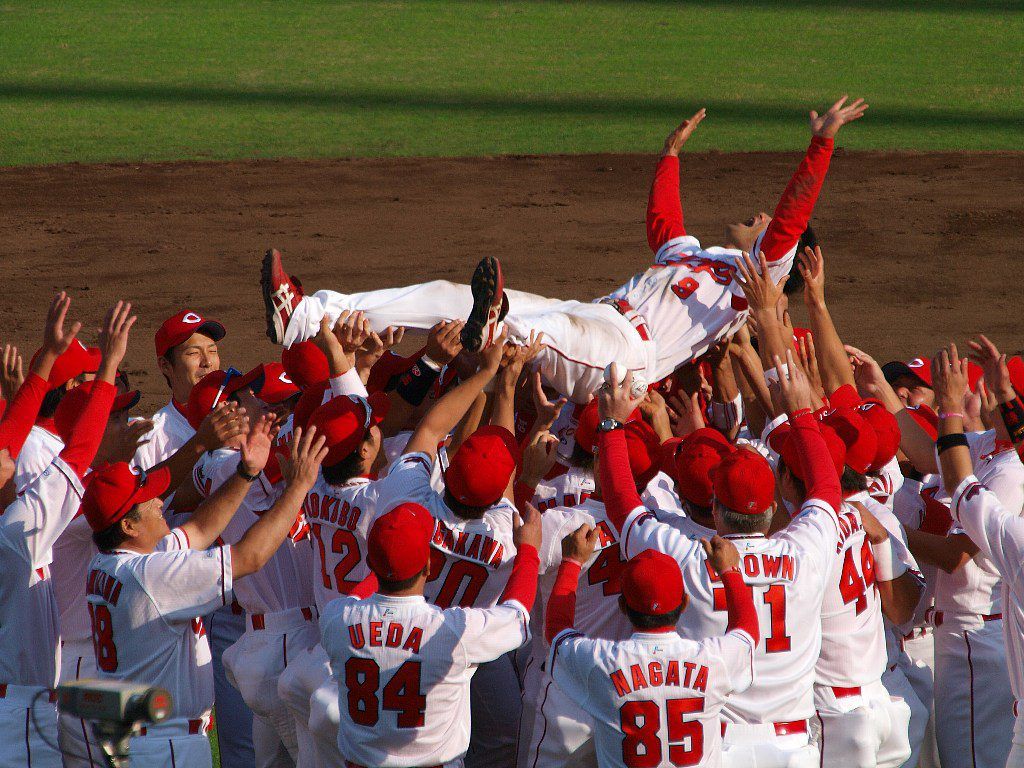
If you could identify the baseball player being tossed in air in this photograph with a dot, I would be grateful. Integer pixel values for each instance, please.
(662, 318)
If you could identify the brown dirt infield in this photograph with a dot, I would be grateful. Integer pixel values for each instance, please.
(919, 246)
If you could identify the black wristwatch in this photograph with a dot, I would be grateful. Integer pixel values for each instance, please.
(245, 475)
(607, 425)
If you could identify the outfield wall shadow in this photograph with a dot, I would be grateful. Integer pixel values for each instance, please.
(660, 107)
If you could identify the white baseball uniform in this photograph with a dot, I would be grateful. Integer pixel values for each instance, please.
(40, 448)
(29, 616)
(766, 724)
(554, 731)
(999, 534)
(403, 668)
(471, 561)
(146, 628)
(280, 614)
(855, 712)
(171, 430)
(655, 698)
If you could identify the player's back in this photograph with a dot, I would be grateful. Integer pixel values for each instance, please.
(788, 588)
(339, 518)
(852, 642)
(656, 698)
(403, 668)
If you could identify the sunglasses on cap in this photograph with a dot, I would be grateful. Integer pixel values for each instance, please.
(230, 374)
(367, 408)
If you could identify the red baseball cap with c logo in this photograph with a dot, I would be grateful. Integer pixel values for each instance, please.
(180, 327)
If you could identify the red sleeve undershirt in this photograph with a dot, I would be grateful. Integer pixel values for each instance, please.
(664, 206)
(560, 612)
(739, 600)
(522, 582)
(87, 431)
(819, 471)
(522, 495)
(21, 414)
(365, 588)
(794, 209)
(618, 488)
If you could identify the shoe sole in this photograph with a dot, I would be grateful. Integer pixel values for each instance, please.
(267, 285)
(488, 287)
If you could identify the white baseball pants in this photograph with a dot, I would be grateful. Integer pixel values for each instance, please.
(77, 746)
(28, 729)
(1016, 758)
(559, 732)
(898, 686)
(306, 672)
(973, 702)
(758, 746)
(172, 745)
(580, 339)
(254, 664)
(869, 730)
(919, 650)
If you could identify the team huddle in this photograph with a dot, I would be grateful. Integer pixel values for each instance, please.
(661, 528)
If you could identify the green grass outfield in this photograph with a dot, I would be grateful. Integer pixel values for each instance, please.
(144, 80)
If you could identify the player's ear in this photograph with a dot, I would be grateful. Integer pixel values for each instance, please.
(685, 603)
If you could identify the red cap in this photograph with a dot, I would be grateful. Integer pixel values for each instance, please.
(887, 431)
(398, 545)
(389, 366)
(72, 363)
(799, 334)
(177, 330)
(586, 426)
(974, 374)
(207, 393)
(268, 381)
(644, 449)
(652, 583)
(480, 470)
(856, 434)
(836, 449)
(922, 368)
(305, 363)
(695, 460)
(344, 421)
(312, 398)
(1016, 368)
(115, 489)
(926, 417)
(74, 402)
(744, 482)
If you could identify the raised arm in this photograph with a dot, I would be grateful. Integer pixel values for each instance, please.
(763, 297)
(949, 380)
(833, 362)
(217, 428)
(664, 206)
(87, 431)
(263, 538)
(23, 409)
(793, 212)
(447, 411)
(618, 487)
(577, 549)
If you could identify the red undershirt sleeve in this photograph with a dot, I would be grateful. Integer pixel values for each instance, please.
(740, 603)
(88, 429)
(797, 203)
(561, 607)
(21, 414)
(820, 475)
(365, 588)
(617, 485)
(664, 206)
(522, 582)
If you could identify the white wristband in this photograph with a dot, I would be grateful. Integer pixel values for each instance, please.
(887, 566)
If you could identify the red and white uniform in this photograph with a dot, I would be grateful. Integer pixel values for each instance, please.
(280, 614)
(999, 533)
(567, 486)
(403, 669)
(658, 321)
(40, 448)
(554, 731)
(171, 430)
(146, 628)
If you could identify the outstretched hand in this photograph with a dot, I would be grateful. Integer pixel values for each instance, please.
(761, 291)
(114, 339)
(794, 387)
(949, 379)
(675, 140)
(811, 264)
(838, 115)
(993, 363)
(57, 339)
(615, 399)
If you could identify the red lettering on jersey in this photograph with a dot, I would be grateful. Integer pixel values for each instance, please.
(198, 627)
(356, 636)
(672, 674)
(499, 556)
(375, 632)
(689, 666)
(620, 683)
(654, 673)
(460, 545)
(395, 632)
(103, 586)
(750, 565)
(414, 640)
(487, 547)
(474, 548)
(781, 567)
(701, 683)
(605, 537)
(638, 677)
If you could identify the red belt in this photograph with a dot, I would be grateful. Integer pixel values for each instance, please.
(259, 622)
(940, 617)
(194, 727)
(843, 693)
(782, 729)
(624, 308)
(3, 693)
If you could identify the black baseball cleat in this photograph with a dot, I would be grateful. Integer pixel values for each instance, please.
(281, 295)
(489, 305)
